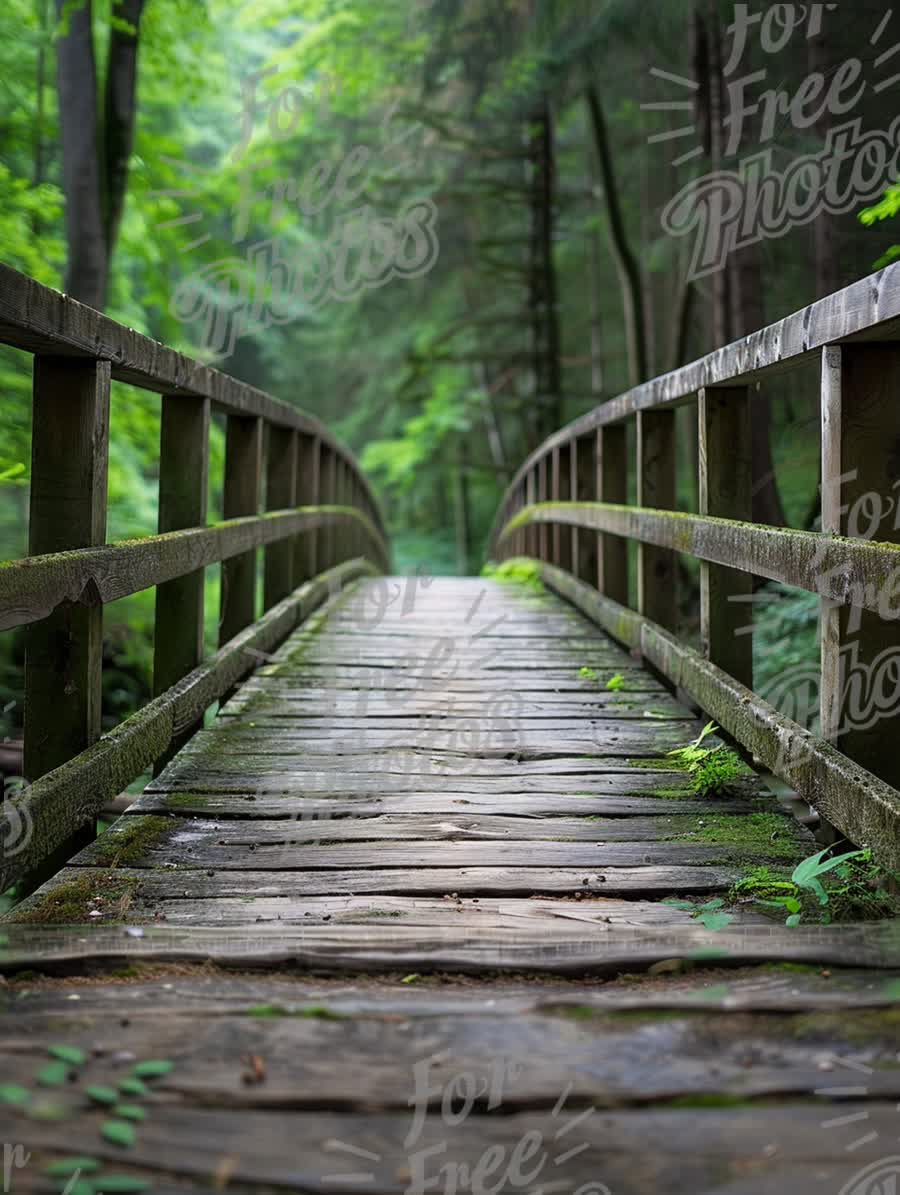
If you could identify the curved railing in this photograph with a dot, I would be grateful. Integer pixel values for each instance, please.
(567, 508)
(320, 528)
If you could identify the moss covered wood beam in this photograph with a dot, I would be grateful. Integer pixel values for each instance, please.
(33, 588)
(854, 572)
(861, 806)
(55, 806)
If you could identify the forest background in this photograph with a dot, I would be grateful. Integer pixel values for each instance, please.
(146, 146)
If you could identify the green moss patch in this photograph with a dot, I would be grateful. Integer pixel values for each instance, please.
(72, 901)
(520, 570)
(751, 835)
(131, 843)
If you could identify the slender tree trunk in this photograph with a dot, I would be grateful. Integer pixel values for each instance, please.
(463, 532)
(825, 227)
(626, 263)
(118, 129)
(87, 264)
(95, 154)
(543, 292)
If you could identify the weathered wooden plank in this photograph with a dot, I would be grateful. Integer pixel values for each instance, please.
(183, 499)
(60, 802)
(599, 950)
(192, 844)
(301, 829)
(725, 490)
(31, 589)
(612, 801)
(861, 806)
(845, 571)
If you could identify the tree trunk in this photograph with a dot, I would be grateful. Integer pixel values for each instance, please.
(121, 87)
(87, 264)
(626, 263)
(95, 154)
(542, 272)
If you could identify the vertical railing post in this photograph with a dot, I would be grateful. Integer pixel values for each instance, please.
(183, 497)
(281, 494)
(305, 561)
(531, 538)
(243, 476)
(543, 492)
(725, 490)
(612, 486)
(860, 434)
(656, 571)
(327, 491)
(559, 490)
(584, 489)
(63, 656)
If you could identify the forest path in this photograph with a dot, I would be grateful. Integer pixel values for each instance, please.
(401, 807)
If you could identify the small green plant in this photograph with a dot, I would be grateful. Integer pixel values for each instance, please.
(712, 769)
(855, 888)
(710, 914)
(615, 683)
(520, 570)
(589, 674)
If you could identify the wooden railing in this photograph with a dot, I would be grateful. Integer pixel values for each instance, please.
(575, 486)
(321, 527)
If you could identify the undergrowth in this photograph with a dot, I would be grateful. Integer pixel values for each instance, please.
(519, 570)
(712, 769)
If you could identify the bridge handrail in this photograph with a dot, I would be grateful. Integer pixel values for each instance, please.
(321, 528)
(567, 507)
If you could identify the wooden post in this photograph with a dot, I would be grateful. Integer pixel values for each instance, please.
(281, 493)
(859, 648)
(531, 536)
(656, 572)
(243, 475)
(183, 497)
(584, 489)
(543, 491)
(326, 539)
(64, 652)
(305, 563)
(612, 486)
(560, 481)
(725, 488)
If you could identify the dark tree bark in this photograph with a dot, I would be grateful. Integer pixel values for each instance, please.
(542, 274)
(626, 263)
(95, 155)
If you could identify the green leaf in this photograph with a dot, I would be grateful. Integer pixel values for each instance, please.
(53, 1074)
(413, 978)
(66, 1167)
(716, 903)
(615, 682)
(680, 904)
(102, 1095)
(153, 1068)
(71, 1054)
(83, 1186)
(130, 1112)
(119, 1132)
(133, 1087)
(793, 920)
(117, 1184)
(715, 920)
(11, 1093)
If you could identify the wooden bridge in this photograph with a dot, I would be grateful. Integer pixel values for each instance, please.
(429, 904)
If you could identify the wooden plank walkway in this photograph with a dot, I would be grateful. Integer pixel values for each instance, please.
(402, 807)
